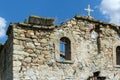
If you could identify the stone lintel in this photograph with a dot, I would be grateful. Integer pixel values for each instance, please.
(36, 20)
(36, 26)
(65, 61)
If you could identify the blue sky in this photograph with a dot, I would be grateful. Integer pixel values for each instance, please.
(61, 10)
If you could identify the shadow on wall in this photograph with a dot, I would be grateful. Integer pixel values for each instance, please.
(6, 60)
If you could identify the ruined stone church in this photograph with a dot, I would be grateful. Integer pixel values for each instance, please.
(81, 48)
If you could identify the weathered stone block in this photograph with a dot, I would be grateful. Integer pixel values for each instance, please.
(30, 45)
(41, 21)
(37, 44)
(28, 59)
(52, 36)
(30, 51)
(16, 69)
(22, 53)
(29, 33)
(41, 57)
(17, 63)
(15, 41)
(18, 47)
(45, 52)
(18, 57)
(41, 62)
(43, 41)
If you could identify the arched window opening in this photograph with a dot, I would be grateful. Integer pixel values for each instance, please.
(65, 49)
(118, 55)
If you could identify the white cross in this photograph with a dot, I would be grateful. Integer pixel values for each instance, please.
(89, 10)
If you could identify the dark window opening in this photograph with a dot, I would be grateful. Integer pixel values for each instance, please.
(65, 49)
(96, 76)
(118, 55)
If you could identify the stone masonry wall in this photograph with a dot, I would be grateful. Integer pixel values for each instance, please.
(33, 52)
(92, 48)
(36, 50)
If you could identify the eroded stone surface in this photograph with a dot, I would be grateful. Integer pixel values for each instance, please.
(31, 53)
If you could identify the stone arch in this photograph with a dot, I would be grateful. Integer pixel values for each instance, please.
(65, 48)
(116, 54)
(58, 36)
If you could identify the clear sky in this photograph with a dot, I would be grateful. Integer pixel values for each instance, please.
(61, 10)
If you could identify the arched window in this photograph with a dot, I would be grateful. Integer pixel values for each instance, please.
(118, 55)
(65, 49)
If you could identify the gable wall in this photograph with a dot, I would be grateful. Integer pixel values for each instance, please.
(90, 54)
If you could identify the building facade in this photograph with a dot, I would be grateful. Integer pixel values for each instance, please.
(81, 48)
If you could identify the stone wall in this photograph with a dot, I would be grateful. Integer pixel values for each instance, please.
(34, 50)
(92, 48)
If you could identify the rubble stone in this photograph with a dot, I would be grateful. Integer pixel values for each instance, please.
(32, 51)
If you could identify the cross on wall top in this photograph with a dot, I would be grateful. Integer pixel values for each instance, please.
(89, 10)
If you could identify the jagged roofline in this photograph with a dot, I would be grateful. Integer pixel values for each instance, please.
(98, 22)
(90, 19)
(34, 22)
(94, 21)
(78, 17)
